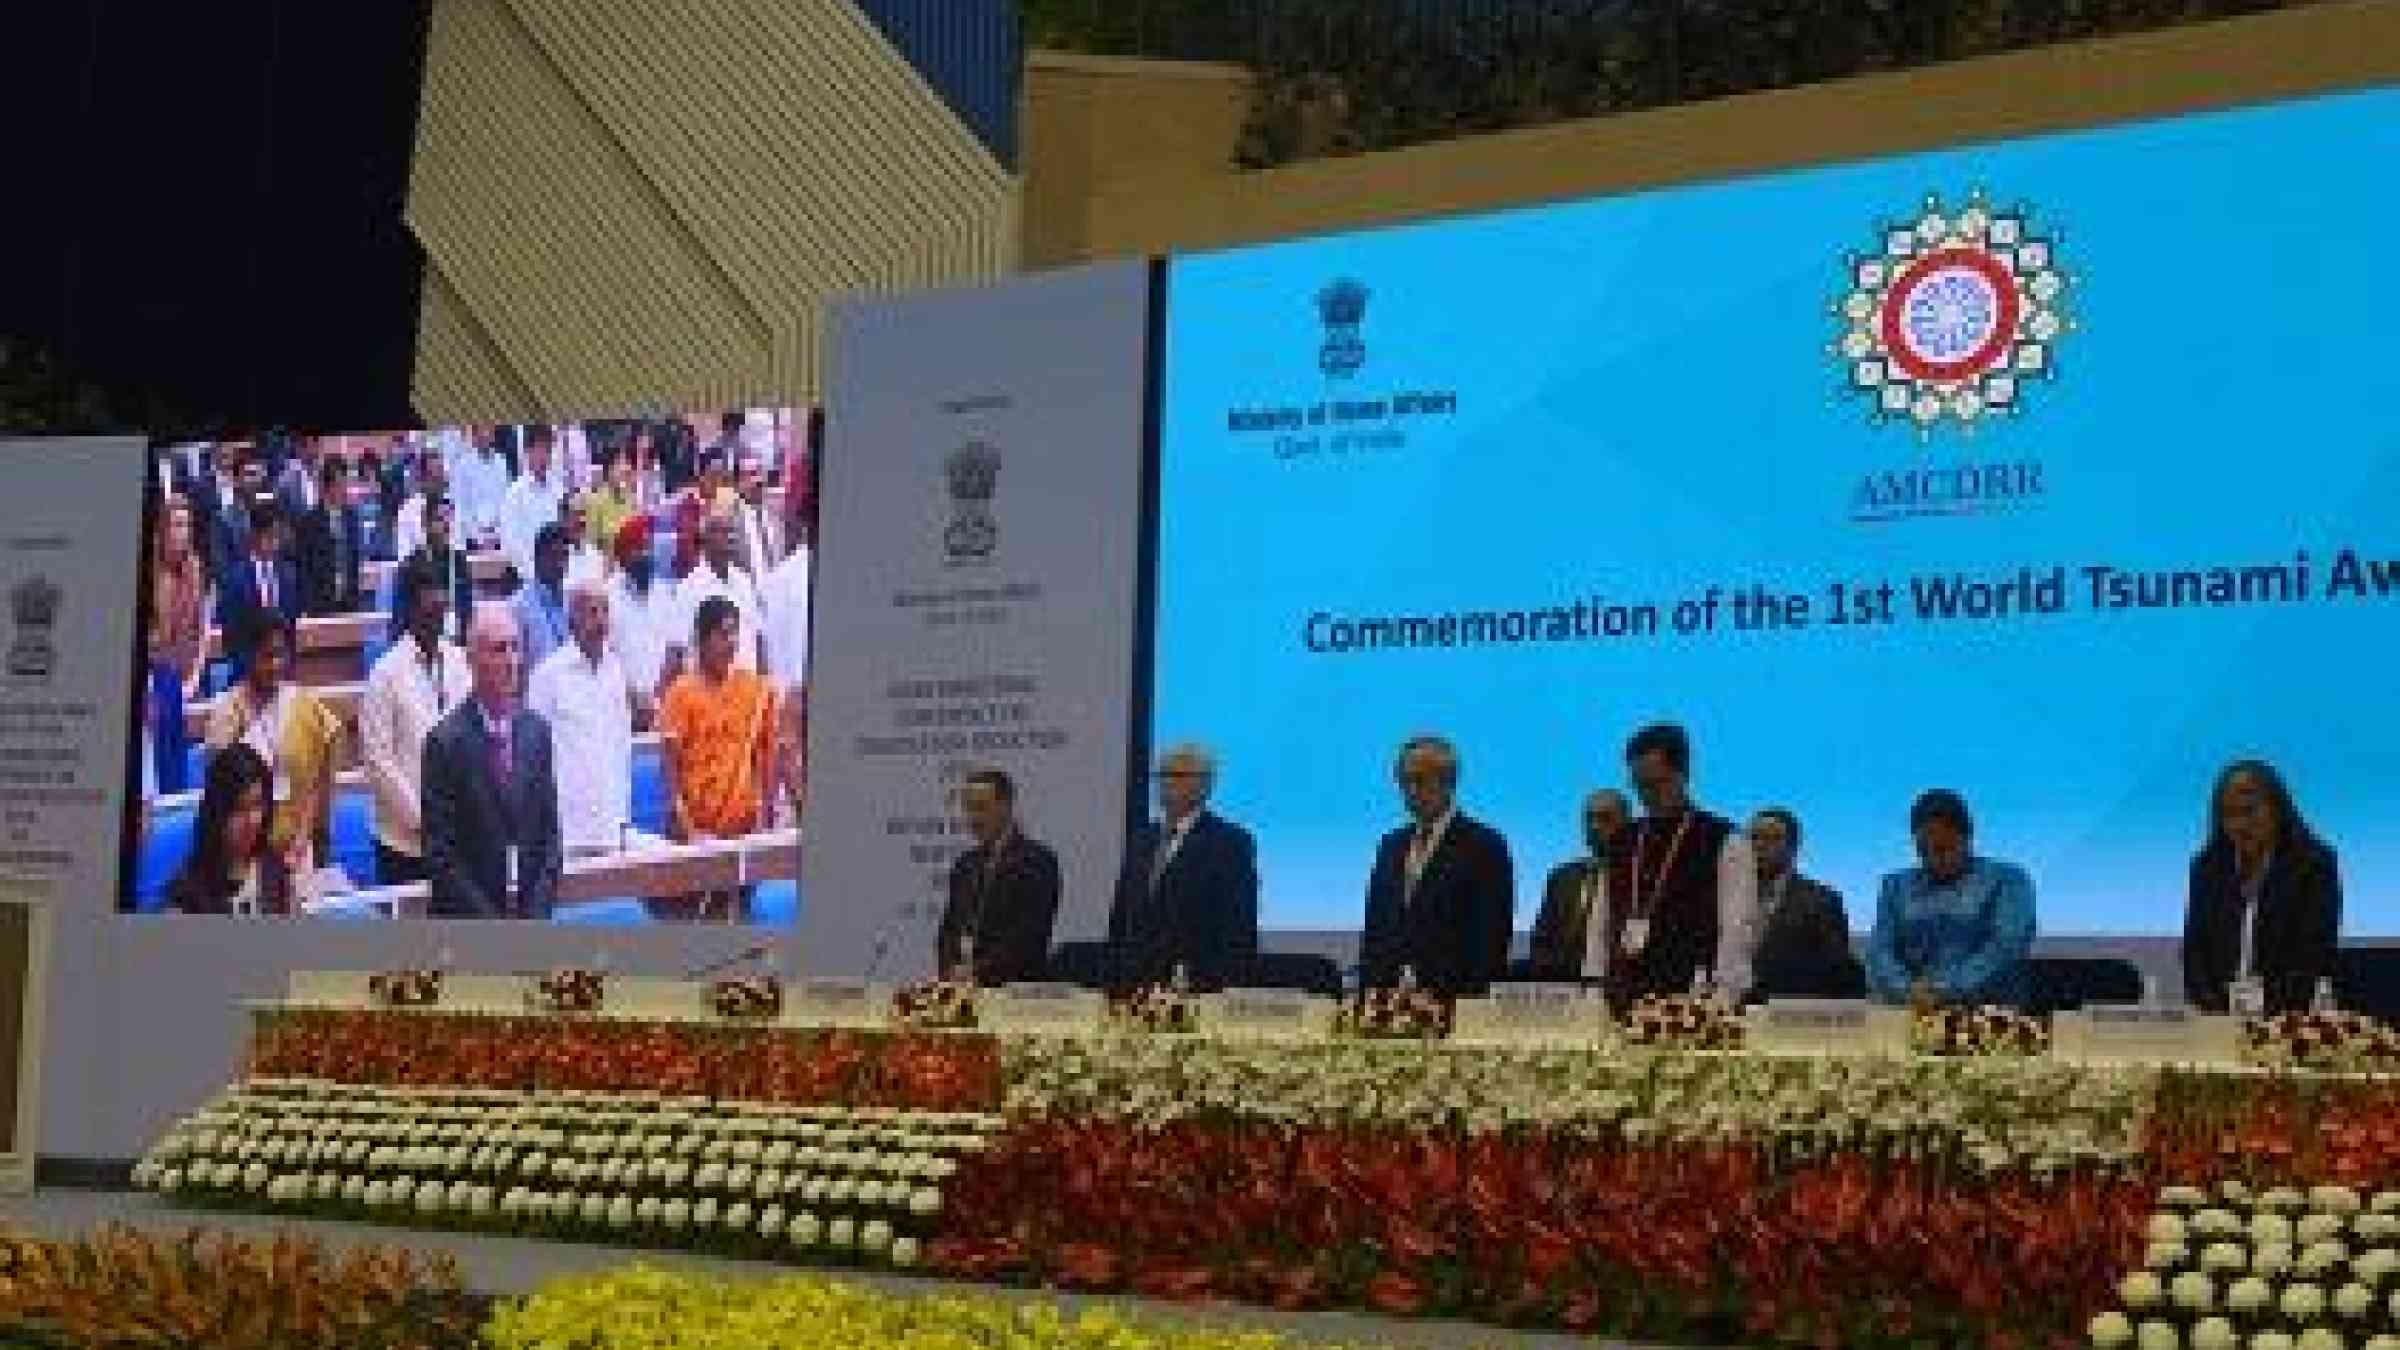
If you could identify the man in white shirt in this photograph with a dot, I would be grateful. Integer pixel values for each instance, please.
(583, 561)
(783, 611)
(640, 609)
(531, 502)
(718, 573)
(583, 691)
(414, 683)
(408, 527)
(761, 532)
(478, 483)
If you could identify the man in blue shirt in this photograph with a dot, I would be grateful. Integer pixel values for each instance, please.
(1957, 928)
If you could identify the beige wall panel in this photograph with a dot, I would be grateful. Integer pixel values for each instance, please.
(699, 177)
(1131, 187)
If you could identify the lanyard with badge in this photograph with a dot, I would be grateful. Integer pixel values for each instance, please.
(1636, 936)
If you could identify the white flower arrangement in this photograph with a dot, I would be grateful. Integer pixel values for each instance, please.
(2273, 1298)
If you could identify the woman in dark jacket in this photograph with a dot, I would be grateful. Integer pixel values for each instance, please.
(232, 869)
(2265, 898)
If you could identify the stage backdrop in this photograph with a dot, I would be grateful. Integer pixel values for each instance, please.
(2060, 471)
(981, 509)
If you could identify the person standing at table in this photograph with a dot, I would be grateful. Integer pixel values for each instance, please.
(1187, 893)
(641, 611)
(1003, 892)
(1683, 891)
(1804, 930)
(582, 691)
(2264, 908)
(718, 731)
(1567, 942)
(491, 793)
(1443, 890)
(1958, 927)
(288, 726)
(416, 681)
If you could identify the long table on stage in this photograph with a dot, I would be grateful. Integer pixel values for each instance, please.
(651, 867)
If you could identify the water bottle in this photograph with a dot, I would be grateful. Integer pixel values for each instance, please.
(1408, 979)
(1182, 982)
(2324, 1001)
(1704, 984)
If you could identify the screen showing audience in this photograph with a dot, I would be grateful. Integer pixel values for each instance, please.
(541, 672)
(2060, 471)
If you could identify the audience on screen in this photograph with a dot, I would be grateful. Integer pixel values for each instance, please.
(719, 576)
(490, 796)
(408, 523)
(332, 543)
(541, 602)
(288, 726)
(264, 578)
(1442, 891)
(1958, 927)
(1003, 893)
(414, 684)
(641, 610)
(1570, 931)
(234, 866)
(441, 558)
(531, 502)
(614, 501)
(758, 529)
(583, 692)
(2264, 905)
(783, 603)
(719, 733)
(177, 641)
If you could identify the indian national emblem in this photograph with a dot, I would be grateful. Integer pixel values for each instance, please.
(1952, 316)
(33, 603)
(973, 472)
(1343, 307)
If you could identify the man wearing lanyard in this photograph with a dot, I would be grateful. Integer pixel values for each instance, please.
(1567, 942)
(1689, 911)
(414, 683)
(1003, 892)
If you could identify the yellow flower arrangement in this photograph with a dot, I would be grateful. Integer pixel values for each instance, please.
(645, 1308)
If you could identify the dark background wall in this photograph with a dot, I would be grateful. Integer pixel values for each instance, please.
(203, 211)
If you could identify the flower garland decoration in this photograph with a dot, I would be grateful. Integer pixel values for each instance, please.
(747, 998)
(1154, 1009)
(1683, 1022)
(822, 1182)
(2332, 1041)
(944, 1005)
(2233, 1267)
(1950, 1031)
(405, 987)
(1406, 1013)
(570, 989)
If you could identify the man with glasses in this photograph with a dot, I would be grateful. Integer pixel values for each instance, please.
(1187, 895)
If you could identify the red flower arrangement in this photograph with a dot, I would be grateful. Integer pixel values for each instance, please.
(791, 1065)
(935, 1005)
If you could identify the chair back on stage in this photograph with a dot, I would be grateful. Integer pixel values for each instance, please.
(2066, 983)
(1292, 970)
(1092, 965)
(2368, 980)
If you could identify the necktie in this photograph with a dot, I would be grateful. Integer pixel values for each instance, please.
(1168, 838)
(500, 762)
(1420, 849)
(266, 584)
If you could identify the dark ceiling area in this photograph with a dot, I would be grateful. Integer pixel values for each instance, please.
(204, 212)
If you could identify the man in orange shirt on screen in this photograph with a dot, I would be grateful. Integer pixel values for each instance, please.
(719, 726)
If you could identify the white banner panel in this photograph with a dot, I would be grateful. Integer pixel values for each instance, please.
(979, 542)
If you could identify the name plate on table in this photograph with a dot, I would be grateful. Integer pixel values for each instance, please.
(2104, 1034)
(1531, 1012)
(1826, 1026)
(1038, 1007)
(838, 1002)
(1268, 1013)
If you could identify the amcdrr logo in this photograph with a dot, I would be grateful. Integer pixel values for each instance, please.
(1952, 317)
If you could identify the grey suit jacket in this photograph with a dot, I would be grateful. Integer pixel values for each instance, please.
(471, 821)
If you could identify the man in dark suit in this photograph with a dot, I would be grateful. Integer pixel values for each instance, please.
(1804, 933)
(490, 796)
(263, 577)
(297, 485)
(1565, 945)
(1443, 891)
(1187, 895)
(439, 558)
(1003, 892)
(333, 542)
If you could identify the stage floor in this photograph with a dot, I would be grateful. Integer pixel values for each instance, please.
(500, 1265)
